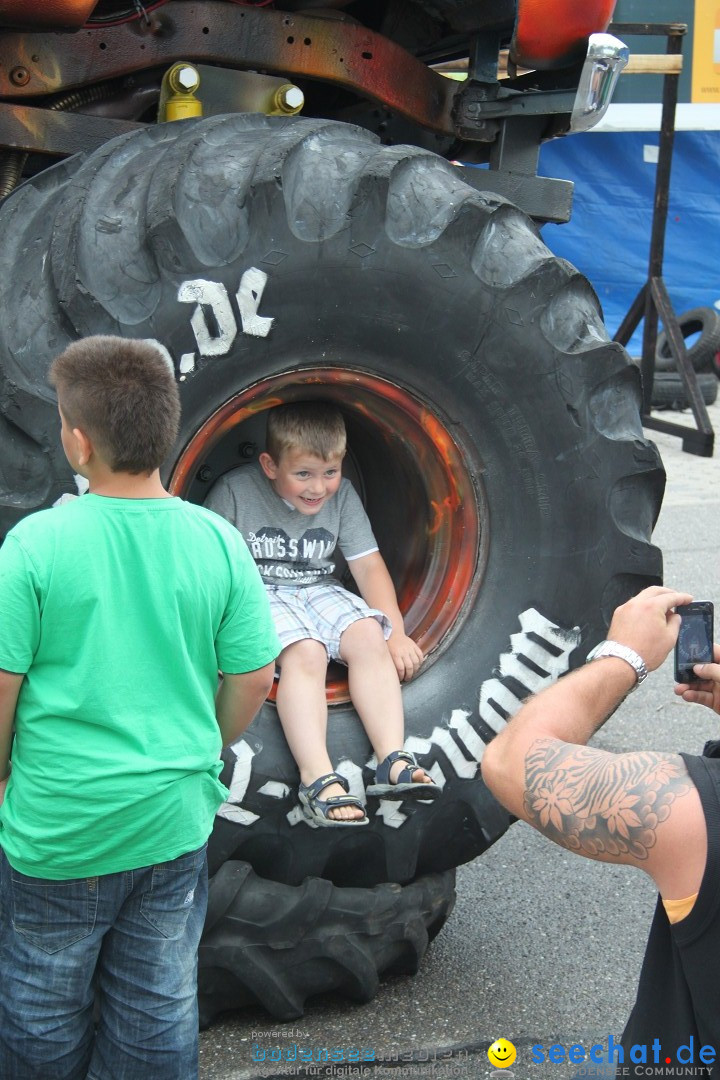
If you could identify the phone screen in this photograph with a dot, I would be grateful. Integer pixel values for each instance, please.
(695, 640)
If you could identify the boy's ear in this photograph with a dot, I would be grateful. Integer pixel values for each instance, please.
(267, 465)
(84, 446)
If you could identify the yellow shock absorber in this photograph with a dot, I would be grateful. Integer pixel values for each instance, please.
(177, 93)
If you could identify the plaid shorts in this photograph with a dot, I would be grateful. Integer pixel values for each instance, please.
(320, 612)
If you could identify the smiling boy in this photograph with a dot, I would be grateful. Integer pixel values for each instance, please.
(294, 510)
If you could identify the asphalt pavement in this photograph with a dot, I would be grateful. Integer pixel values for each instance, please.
(543, 948)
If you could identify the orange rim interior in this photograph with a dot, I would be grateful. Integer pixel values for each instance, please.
(415, 480)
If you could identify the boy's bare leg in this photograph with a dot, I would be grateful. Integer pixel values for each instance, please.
(302, 708)
(375, 692)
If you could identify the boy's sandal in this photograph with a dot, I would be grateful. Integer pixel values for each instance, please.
(317, 810)
(404, 787)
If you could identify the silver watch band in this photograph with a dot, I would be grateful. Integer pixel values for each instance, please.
(622, 652)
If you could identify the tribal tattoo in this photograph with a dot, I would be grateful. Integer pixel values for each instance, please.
(600, 804)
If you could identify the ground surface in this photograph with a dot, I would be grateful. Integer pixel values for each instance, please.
(542, 946)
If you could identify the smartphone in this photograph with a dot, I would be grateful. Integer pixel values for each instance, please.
(695, 640)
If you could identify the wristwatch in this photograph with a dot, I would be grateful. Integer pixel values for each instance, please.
(614, 648)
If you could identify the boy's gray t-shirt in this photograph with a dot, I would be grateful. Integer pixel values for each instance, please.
(289, 547)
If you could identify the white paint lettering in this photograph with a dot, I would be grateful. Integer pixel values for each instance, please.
(459, 722)
(212, 320)
(548, 650)
(249, 295)
(232, 809)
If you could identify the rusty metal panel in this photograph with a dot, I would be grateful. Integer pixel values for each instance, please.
(261, 39)
(65, 13)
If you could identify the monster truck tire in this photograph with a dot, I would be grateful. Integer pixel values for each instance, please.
(493, 428)
(274, 945)
(702, 320)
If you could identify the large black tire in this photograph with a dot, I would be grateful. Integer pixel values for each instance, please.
(275, 945)
(703, 321)
(493, 428)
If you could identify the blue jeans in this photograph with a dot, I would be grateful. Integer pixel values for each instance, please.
(128, 940)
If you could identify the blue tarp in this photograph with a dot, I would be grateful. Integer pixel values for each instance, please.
(608, 237)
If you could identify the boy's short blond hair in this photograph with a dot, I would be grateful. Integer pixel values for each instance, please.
(316, 427)
(122, 394)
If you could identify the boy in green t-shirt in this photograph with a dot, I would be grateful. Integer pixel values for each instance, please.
(116, 611)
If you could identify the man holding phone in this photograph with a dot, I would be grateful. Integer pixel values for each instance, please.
(659, 812)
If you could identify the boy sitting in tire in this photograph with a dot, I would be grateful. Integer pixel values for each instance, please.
(294, 511)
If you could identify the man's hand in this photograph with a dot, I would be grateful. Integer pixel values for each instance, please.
(3, 785)
(707, 691)
(648, 624)
(406, 654)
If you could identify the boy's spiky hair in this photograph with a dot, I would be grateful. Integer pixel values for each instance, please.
(122, 394)
(313, 426)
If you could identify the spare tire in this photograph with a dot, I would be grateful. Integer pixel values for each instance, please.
(494, 430)
(703, 321)
(669, 391)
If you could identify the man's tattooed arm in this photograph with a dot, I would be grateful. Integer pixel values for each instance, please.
(606, 806)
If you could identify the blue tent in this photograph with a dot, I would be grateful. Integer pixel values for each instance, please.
(608, 237)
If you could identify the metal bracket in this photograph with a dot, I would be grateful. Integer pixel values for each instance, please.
(513, 172)
(542, 198)
(25, 128)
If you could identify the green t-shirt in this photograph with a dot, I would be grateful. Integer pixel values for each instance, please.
(120, 613)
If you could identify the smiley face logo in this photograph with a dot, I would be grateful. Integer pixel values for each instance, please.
(501, 1054)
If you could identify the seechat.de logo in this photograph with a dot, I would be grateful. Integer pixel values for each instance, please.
(620, 1060)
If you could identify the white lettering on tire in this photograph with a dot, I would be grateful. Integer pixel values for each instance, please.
(213, 321)
(233, 809)
(546, 646)
(249, 295)
(538, 655)
(211, 300)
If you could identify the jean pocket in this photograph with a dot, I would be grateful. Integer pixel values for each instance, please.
(53, 915)
(171, 896)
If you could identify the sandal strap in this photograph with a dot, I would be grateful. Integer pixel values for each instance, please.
(382, 773)
(321, 808)
(313, 790)
(339, 800)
